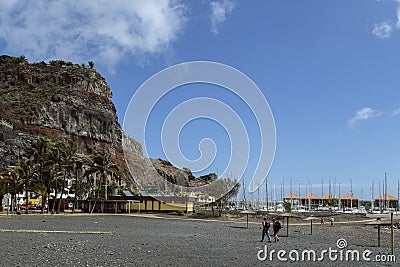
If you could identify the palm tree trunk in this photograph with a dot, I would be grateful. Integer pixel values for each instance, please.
(27, 201)
(55, 198)
(95, 199)
(62, 192)
(44, 198)
(97, 195)
(75, 199)
(1, 197)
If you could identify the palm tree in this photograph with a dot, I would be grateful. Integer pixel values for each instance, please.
(40, 188)
(101, 163)
(54, 172)
(26, 173)
(69, 160)
(38, 152)
(15, 184)
(3, 189)
(79, 187)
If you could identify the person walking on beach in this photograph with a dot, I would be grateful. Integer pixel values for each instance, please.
(265, 230)
(276, 226)
(332, 220)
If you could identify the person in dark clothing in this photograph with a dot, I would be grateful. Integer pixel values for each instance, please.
(265, 230)
(276, 226)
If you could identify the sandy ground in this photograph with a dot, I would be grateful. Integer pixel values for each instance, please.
(162, 240)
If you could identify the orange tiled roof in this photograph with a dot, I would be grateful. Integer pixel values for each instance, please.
(328, 196)
(291, 196)
(348, 197)
(386, 197)
(310, 196)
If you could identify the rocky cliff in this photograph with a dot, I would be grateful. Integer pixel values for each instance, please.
(59, 101)
(62, 100)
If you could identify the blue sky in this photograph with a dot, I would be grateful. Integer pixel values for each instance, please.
(329, 70)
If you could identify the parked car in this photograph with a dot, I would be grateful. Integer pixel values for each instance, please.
(30, 207)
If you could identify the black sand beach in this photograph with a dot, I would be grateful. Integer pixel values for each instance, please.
(122, 240)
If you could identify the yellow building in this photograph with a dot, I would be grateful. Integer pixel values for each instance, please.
(154, 203)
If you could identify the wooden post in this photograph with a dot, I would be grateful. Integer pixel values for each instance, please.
(287, 226)
(392, 232)
(379, 235)
(247, 220)
(311, 227)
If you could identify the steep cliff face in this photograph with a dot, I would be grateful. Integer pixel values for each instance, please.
(53, 100)
(58, 100)
(63, 100)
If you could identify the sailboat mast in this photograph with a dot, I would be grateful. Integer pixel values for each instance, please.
(398, 194)
(351, 193)
(309, 195)
(334, 188)
(301, 201)
(291, 193)
(339, 204)
(372, 196)
(380, 199)
(266, 191)
(244, 195)
(386, 204)
(275, 197)
(322, 189)
(329, 188)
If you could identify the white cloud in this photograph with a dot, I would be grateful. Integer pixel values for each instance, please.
(103, 31)
(396, 112)
(398, 17)
(383, 30)
(364, 114)
(219, 11)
